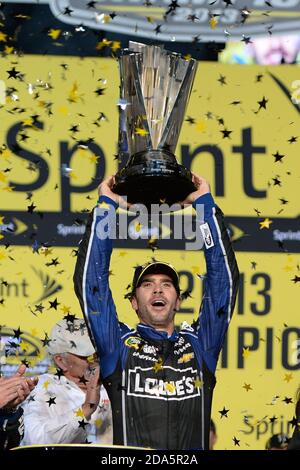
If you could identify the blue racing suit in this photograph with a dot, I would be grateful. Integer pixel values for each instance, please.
(160, 386)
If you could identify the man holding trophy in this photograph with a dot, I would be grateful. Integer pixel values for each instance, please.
(160, 381)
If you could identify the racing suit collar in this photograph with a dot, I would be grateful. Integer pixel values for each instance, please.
(147, 331)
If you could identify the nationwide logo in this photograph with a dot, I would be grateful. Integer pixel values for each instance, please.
(132, 342)
(181, 385)
(18, 347)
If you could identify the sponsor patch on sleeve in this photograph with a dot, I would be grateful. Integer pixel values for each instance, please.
(207, 236)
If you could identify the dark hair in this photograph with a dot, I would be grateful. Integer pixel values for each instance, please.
(277, 441)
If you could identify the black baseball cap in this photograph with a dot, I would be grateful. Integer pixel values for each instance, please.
(155, 267)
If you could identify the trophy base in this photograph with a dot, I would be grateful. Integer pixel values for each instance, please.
(154, 177)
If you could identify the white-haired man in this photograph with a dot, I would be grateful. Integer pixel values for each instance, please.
(69, 406)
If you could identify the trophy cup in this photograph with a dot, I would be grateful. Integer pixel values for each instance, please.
(155, 88)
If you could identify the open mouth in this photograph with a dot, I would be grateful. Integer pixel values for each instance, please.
(158, 303)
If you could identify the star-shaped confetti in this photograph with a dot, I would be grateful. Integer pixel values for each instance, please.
(31, 208)
(54, 304)
(99, 91)
(170, 387)
(53, 262)
(158, 365)
(46, 384)
(59, 373)
(246, 353)
(273, 419)
(276, 181)
(39, 308)
(295, 422)
(213, 22)
(51, 401)
(140, 131)
(226, 133)
(278, 157)
(82, 424)
(265, 223)
(17, 333)
(222, 80)
(287, 400)
(262, 103)
(79, 412)
(83, 380)
(190, 120)
(224, 412)
(13, 73)
(198, 383)
(247, 387)
(54, 33)
(68, 11)
(46, 340)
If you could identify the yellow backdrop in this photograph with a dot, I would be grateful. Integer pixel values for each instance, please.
(60, 102)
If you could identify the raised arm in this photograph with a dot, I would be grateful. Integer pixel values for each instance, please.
(222, 276)
(91, 279)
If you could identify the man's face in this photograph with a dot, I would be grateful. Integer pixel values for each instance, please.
(155, 301)
(76, 367)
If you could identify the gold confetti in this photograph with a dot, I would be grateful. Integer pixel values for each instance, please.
(198, 383)
(246, 353)
(46, 384)
(201, 126)
(170, 387)
(6, 154)
(73, 94)
(115, 45)
(46, 251)
(54, 33)
(288, 377)
(138, 227)
(213, 22)
(265, 223)
(3, 177)
(93, 158)
(65, 309)
(158, 365)
(103, 205)
(27, 122)
(140, 131)
(8, 49)
(104, 43)
(3, 36)
(79, 413)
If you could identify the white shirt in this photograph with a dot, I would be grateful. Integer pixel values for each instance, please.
(53, 414)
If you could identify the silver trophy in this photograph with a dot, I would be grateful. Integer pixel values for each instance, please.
(155, 89)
